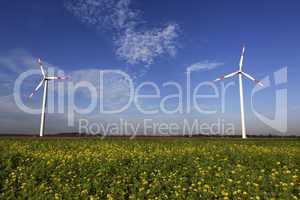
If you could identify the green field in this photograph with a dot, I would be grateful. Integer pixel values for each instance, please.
(179, 168)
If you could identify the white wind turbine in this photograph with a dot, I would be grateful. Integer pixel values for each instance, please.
(241, 73)
(44, 81)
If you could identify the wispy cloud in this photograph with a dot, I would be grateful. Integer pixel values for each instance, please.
(145, 46)
(132, 44)
(16, 61)
(104, 14)
(116, 89)
(205, 65)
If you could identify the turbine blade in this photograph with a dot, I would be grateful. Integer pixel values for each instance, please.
(52, 77)
(41, 66)
(37, 88)
(248, 76)
(64, 78)
(58, 78)
(242, 58)
(226, 76)
(230, 75)
(252, 79)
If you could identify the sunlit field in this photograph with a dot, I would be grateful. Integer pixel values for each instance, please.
(178, 168)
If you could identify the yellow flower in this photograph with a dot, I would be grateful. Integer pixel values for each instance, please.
(295, 177)
(56, 196)
(109, 197)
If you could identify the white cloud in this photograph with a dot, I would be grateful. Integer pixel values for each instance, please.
(16, 61)
(124, 17)
(206, 65)
(116, 89)
(132, 44)
(104, 14)
(136, 47)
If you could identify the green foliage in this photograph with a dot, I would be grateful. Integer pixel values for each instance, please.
(149, 169)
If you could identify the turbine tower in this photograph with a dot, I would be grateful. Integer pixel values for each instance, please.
(44, 81)
(241, 73)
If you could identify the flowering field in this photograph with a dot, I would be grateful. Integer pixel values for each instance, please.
(149, 169)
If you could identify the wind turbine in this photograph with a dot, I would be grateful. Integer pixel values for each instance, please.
(241, 73)
(44, 81)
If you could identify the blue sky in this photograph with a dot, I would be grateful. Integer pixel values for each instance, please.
(154, 41)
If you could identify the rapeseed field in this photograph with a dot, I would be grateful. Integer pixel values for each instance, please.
(176, 168)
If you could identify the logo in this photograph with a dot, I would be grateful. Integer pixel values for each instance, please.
(279, 122)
